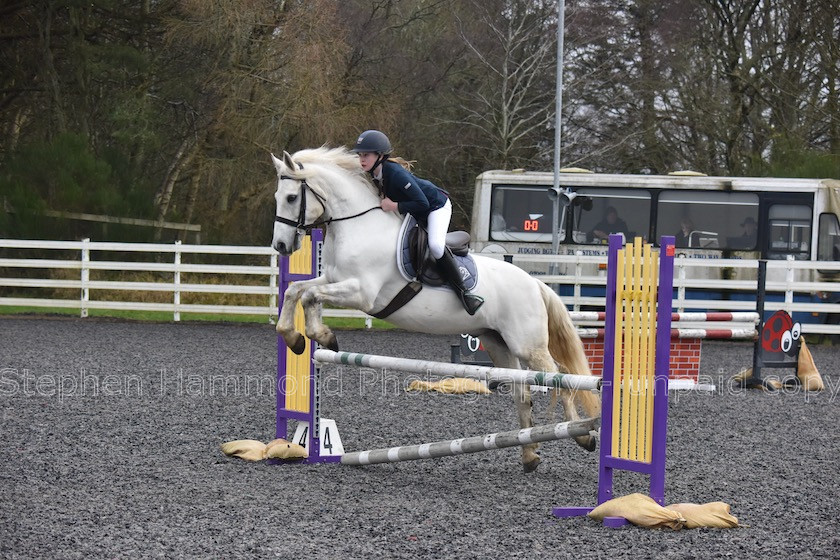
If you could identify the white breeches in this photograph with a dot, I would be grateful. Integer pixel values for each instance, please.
(437, 225)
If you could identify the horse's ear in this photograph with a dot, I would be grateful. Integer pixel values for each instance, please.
(277, 162)
(287, 159)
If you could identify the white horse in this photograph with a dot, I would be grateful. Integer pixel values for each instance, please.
(523, 322)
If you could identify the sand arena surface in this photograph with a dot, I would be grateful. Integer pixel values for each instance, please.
(111, 434)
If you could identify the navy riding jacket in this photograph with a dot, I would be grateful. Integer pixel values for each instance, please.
(413, 195)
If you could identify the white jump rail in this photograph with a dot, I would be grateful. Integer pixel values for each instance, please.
(475, 444)
(483, 373)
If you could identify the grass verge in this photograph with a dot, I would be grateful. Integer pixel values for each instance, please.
(164, 317)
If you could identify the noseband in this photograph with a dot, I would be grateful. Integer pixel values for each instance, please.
(301, 224)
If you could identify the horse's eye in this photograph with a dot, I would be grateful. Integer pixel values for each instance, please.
(291, 198)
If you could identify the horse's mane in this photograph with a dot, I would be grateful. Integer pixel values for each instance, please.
(339, 157)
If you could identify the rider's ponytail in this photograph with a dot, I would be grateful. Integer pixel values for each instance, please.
(407, 165)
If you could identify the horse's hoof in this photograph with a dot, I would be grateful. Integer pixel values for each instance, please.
(531, 466)
(298, 344)
(332, 343)
(587, 442)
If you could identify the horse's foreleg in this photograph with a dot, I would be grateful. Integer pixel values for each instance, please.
(347, 293)
(286, 320)
(315, 328)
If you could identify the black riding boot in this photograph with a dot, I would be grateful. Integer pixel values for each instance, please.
(449, 270)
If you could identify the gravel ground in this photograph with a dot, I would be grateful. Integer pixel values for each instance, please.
(111, 433)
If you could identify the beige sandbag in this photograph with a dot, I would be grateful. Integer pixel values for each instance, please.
(713, 514)
(248, 449)
(640, 510)
(774, 383)
(807, 372)
(742, 376)
(457, 385)
(281, 449)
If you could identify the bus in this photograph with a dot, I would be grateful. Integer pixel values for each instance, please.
(712, 217)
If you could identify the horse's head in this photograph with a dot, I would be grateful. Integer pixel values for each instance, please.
(298, 204)
(315, 187)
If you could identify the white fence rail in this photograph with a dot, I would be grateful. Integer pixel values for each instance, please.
(91, 256)
(168, 262)
(794, 296)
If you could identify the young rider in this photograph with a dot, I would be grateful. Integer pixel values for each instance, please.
(402, 192)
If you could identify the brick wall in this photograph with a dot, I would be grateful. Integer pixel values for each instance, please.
(685, 357)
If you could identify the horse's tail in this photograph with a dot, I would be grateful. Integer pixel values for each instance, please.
(566, 347)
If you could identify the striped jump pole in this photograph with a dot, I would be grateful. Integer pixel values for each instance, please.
(685, 317)
(688, 333)
(734, 333)
(514, 438)
(741, 325)
(483, 373)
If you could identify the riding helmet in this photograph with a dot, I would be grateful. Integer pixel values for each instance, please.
(372, 141)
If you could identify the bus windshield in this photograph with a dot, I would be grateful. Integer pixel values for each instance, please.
(710, 217)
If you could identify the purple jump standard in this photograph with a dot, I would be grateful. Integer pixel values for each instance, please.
(299, 375)
(609, 461)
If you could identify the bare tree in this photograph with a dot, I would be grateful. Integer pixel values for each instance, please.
(505, 98)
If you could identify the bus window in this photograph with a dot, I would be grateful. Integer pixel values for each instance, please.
(521, 213)
(790, 231)
(623, 211)
(828, 242)
(718, 220)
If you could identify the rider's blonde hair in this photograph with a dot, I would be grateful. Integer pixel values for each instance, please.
(407, 165)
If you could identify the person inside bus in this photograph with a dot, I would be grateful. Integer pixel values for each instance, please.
(497, 220)
(683, 237)
(749, 237)
(610, 224)
(402, 192)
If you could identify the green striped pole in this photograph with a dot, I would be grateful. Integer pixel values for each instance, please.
(426, 367)
(514, 438)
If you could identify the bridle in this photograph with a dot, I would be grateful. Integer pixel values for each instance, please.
(301, 224)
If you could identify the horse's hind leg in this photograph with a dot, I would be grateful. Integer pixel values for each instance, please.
(502, 357)
(568, 398)
(522, 397)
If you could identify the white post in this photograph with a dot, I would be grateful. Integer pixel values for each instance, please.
(789, 277)
(177, 281)
(679, 264)
(272, 284)
(556, 224)
(85, 276)
(578, 274)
